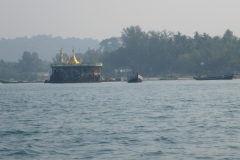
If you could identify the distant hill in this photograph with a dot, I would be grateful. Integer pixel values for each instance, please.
(11, 50)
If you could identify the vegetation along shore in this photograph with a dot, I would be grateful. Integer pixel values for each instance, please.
(153, 53)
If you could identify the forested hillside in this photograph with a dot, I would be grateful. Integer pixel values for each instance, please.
(46, 46)
(154, 53)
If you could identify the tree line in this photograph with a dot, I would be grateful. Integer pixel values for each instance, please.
(153, 53)
(25, 69)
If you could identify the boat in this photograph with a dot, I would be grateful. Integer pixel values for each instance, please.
(10, 81)
(135, 78)
(210, 77)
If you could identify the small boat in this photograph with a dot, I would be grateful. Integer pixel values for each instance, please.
(10, 81)
(135, 78)
(219, 77)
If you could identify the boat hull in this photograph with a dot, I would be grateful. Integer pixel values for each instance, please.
(135, 79)
(220, 77)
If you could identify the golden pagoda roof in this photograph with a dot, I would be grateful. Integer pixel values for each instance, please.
(63, 59)
(73, 59)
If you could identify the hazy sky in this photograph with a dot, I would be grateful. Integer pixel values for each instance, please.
(101, 19)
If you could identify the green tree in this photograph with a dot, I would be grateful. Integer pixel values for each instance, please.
(110, 44)
(30, 62)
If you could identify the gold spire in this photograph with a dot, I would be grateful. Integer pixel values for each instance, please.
(62, 58)
(73, 59)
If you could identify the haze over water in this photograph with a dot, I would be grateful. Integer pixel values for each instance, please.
(150, 120)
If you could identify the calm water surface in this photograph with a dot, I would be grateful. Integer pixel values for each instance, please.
(150, 120)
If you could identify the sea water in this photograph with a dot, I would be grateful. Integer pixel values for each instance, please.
(180, 119)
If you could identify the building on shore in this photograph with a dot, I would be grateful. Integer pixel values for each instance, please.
(74, 71)
(42, 76)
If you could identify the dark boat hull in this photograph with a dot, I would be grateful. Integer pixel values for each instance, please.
(223, 77)
(135, 79)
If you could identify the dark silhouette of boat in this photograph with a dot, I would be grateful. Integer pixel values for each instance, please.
(219, 77)
(135, 78)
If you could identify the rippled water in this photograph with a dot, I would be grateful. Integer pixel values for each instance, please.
(150, 120)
